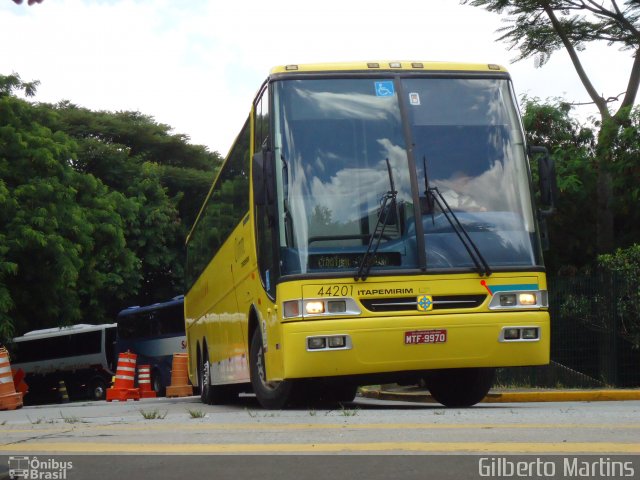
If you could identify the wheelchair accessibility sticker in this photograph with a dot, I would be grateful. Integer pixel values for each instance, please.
(384, 88)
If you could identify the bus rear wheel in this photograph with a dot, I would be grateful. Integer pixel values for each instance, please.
(272, 395)
(459, 387)
(214, 394)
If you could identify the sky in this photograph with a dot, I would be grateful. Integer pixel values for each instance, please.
(197, 65)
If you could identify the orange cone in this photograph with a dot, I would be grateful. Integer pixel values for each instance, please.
(19, 383)
(179, 379)
(9, 399)
(122, 389)
(144, 382)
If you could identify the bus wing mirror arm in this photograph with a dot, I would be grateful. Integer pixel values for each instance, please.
(548, 180)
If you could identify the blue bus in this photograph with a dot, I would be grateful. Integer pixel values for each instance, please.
(154, 333)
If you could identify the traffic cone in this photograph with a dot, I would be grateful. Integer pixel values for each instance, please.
(18, 382)
(122, 389)
(63, 395)
(9, 399)
(144, 382)
(179, 379)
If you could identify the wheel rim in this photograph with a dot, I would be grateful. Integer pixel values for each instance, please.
(262, 375)
(206, 375)
(98, 391)
(156, 384)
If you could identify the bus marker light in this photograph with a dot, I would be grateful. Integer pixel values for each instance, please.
(373, 65)
(291, 67)
(337, 342)
(337, 306)
(291, 308)
(417, 65)
(511, 333)
(527, 299)
(395, 65)
(508, 300)
(314, 308)
(530, 333)
(316, 343)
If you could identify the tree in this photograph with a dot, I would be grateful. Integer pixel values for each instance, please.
(164, 177)
(537, 28)
(63, 243)
(94, 210)
(571, 145)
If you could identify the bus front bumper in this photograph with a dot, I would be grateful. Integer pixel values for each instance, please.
(396, 344)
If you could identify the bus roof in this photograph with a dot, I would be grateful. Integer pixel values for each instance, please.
(58, 331)
(413, 66)
(156, 306)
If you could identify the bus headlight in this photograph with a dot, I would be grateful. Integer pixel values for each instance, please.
(527, 299)
(320, 307)
(314, 308)
(516, 300)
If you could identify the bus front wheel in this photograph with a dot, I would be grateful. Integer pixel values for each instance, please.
(273, 395)
(459, 387)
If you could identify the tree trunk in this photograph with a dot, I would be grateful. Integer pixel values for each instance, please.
(604, 156)
(604, 221)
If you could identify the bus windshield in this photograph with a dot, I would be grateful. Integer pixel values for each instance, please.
(334, 140)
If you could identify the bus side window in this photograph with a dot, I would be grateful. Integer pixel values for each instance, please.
(264, 228)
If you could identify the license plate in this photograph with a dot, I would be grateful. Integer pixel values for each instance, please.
(425, 336)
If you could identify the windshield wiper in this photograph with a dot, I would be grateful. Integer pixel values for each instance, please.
(378, 232)
(433, 195)
(469, 245)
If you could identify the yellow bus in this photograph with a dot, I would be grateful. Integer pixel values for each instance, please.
(373, 222)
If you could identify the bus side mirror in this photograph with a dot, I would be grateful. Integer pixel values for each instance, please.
(548, 180)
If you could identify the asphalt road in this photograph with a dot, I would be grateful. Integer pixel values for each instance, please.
(367, 430)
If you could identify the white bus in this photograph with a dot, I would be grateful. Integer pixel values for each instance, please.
(83, 356)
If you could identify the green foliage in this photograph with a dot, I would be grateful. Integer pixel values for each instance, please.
(94, 209)
(571, 146)
(624, 263)
(537, 28)
(623, 260)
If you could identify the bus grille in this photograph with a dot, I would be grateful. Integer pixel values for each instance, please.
(404, 304)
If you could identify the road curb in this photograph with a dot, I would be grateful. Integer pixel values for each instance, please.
(513, 397)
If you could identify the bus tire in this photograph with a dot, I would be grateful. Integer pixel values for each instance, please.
(214, 394)
(272, 395)
(156, 383)
(206, 392)
(459, 387)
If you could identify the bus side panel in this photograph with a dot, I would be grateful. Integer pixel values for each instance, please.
(211, 313)
(245, 282)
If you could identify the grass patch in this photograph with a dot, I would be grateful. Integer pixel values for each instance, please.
(70, 419)
(153, 414)
(196, 413)
(348, 412)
